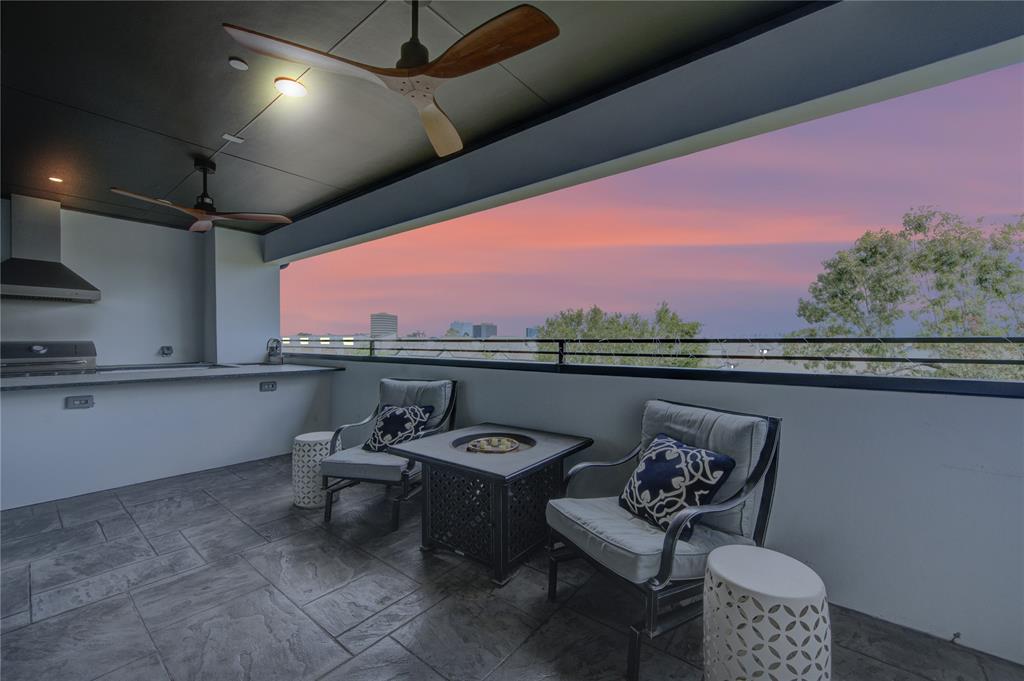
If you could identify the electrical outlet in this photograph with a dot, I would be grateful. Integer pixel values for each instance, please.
(268, 386)
(78, 402)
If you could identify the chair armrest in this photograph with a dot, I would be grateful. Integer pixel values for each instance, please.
(439, 428)
(588, 465)
(337, 438)
(688, 515)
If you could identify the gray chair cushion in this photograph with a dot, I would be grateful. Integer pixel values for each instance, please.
(738, 436)
(400, 393)
(356, 462)
(627, 545)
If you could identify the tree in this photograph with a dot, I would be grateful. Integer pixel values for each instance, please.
(861, 292)
(596, 324)
(971, 283)
(452, 332)
(949, 277)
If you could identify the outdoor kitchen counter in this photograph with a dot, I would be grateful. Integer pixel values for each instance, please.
(119, 376)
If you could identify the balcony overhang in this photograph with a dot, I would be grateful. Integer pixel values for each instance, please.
(836, 58)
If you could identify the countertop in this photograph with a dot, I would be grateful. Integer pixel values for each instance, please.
(150, 375)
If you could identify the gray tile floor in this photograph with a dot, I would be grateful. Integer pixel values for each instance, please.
(215, 575)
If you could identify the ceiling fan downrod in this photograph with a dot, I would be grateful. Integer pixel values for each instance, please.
(204, 201)
(413, 52)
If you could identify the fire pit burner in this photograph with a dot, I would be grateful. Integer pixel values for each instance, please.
(493, 443)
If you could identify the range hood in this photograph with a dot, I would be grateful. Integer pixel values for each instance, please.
(34, 269)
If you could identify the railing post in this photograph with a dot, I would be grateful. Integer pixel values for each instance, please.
(371, 347)
(561, 352)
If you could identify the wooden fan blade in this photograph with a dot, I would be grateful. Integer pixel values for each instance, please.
(256, 217)
(440, 130)
(280, 48)
(201, 226)
(194, 212)
(506, 35)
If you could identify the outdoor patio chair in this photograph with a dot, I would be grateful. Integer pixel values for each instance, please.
(345, 466)
(666, 572)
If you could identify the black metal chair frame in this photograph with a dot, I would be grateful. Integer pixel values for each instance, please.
(661, 595)
(411, 483)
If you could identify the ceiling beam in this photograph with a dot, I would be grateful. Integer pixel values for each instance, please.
(834, 59)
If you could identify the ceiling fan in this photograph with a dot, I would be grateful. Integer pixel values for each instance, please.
(415, 76)
(204, 212)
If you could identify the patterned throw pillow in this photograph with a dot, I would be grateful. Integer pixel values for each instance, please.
(397, 424)
(671, 476)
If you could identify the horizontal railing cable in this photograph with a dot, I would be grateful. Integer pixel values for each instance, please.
(892, 340)
(561, 351)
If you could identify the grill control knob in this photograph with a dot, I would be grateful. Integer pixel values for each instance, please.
(39, 349)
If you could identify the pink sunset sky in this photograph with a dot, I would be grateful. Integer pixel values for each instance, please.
(730, 236)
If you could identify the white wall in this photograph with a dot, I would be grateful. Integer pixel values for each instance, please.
(910, 506)
(245, 305)
(210, 296)
(151, 282)
(143, 431)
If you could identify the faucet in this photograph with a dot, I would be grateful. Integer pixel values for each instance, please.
(274, 354)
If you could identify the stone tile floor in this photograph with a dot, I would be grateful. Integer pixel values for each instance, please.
(214, 575)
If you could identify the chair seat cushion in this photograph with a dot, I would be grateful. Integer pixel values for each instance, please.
(630, 546)
(356, 462)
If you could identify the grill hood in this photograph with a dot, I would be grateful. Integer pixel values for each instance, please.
(34, 269)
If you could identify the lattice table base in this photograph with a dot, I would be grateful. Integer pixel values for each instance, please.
(499, 523)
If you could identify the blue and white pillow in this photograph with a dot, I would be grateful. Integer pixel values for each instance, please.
(397, 424)
(671, 476)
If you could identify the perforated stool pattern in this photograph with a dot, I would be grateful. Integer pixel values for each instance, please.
(308, 450)
(750, 635)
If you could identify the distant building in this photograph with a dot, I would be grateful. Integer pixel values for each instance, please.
(532, 331)
(462, 328)
(383, 324)
(484, 330)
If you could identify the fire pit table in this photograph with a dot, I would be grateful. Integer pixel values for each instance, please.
(484, 502)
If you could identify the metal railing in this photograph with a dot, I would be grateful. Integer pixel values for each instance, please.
(996, 357)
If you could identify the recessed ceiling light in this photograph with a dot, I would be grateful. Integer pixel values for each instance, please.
(55, 179)
(236, 63)
(290, 87)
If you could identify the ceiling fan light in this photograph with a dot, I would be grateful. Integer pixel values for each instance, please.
(289, 87)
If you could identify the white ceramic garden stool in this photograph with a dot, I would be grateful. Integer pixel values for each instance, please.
(765, 617)
(308, 450)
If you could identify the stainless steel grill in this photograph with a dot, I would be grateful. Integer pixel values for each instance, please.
(37, 358)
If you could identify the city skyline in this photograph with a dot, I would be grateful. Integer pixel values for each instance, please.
(382, 324)
(730, 236)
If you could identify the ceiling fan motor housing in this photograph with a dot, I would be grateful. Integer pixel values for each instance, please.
(204, 201)
(414, 54)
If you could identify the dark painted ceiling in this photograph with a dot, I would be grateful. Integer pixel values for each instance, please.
(126, 93)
